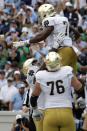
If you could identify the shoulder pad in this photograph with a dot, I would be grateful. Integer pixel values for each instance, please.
(48, 22)
(68, 70)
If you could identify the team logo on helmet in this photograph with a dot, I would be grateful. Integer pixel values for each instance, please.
(53, 61)
(45, 10)
(27, 64)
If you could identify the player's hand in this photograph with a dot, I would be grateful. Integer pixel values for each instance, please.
(60, 37)
(37, 114)
(81, 103)
(76, 106)
(25, 109)
(59, 40)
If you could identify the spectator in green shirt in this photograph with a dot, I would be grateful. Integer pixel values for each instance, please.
(2, 58)
(5, 49)
(24, 54)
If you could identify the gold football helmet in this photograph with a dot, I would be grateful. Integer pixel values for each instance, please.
(53, 61)
(26, 65)
(45, 10)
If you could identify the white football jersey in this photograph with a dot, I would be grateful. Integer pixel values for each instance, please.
(30, 79)
(31, 75)
(60, 24)
(56, 87)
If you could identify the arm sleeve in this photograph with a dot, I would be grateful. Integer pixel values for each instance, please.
(70, 73)
(38, 77)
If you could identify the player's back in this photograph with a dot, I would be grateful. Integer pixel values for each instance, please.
(56, 87)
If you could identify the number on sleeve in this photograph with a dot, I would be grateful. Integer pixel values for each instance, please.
(46, 23)
(31, 73)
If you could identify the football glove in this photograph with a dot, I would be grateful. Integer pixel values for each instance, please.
(60, 39)
(37, 114)
(20, 43)
(81, 103)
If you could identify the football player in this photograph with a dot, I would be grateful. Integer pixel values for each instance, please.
(30, 67)
(56, 82)
(56, 29)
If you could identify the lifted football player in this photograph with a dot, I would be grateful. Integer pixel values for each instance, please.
(56, 29)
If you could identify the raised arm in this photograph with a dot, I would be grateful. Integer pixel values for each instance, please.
(42, 35)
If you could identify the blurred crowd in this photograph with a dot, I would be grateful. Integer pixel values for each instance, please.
(19, 21)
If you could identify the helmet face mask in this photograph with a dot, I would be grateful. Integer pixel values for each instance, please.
(45, 11)
(53, 61)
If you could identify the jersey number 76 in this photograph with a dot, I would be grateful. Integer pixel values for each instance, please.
(59, 86)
